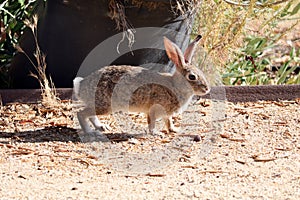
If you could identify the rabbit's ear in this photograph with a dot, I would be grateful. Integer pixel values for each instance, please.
(189, 52)
(174, 53)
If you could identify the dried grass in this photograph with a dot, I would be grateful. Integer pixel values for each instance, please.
(225, 24)
(117, 13)
(49, 95)
(148, 5)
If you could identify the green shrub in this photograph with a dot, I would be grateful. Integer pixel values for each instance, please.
(13, 13)
(237, 33)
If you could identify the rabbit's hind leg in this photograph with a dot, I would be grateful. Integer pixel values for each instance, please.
(85, 117)
(98, 125)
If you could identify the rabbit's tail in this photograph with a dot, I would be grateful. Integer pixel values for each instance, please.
(76, 86)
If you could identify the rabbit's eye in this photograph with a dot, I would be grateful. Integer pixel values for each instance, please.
(192, 77)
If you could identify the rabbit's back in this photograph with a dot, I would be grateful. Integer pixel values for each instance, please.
(97, 88)
(128, 88)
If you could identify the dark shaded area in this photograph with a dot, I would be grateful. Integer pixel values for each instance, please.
(69, 30)
(61, 134)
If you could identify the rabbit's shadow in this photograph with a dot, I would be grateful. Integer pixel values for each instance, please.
(58, 134)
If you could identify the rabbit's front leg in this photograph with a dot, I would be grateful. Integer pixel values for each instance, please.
(170, 126)
(155, 112)
(151, 122)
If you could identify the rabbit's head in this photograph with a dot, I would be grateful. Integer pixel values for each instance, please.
(192, 74)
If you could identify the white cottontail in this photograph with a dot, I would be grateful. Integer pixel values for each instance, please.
(137, 89)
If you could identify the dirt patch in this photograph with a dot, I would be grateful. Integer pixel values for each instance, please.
(256, 156)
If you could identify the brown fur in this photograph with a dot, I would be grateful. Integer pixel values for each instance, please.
(136, 89)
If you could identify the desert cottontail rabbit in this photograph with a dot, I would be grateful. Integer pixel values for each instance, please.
(137, 89)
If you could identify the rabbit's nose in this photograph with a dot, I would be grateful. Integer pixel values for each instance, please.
(206, 88)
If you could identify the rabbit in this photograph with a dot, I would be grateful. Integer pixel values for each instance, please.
(137, 89)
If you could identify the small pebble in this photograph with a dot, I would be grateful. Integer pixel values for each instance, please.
(197, 138)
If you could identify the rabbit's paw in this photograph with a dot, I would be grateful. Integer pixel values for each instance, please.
(103, 128)
(98, 125)
(170, 126)
(174, 129)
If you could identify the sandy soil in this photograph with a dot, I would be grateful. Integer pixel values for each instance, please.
(255, 156)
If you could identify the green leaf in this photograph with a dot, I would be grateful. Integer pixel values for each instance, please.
(282, 69)
(293, 51)
(22, 2)
(286, 73)
(296, 9)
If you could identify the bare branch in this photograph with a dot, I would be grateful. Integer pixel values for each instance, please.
(257, 3)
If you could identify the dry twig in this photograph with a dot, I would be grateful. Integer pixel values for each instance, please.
(49, 96)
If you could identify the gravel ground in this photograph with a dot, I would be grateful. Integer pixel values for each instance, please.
(255, 156)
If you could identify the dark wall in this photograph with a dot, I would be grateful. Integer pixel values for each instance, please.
(69, 30)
